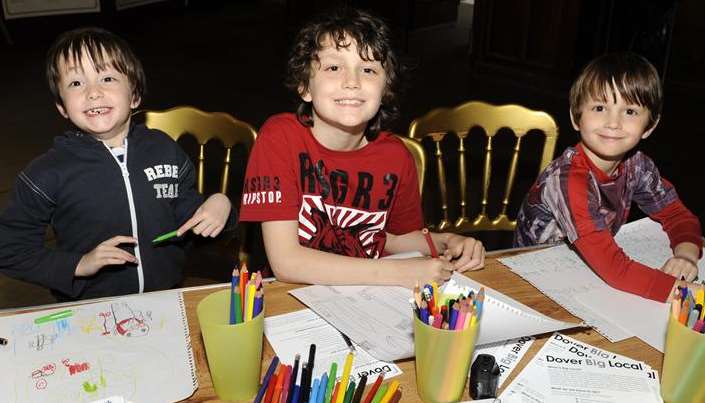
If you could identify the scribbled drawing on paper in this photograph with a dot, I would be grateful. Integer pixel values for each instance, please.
(122, 320)
(71, 360)
(39, 374)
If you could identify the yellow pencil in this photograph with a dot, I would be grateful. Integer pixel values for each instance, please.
(251, 290)
(390, 392)
(345, 378)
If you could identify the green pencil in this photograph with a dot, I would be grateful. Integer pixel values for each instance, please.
(380, 393)
(164, 237)
(331, 380)
(53, 316)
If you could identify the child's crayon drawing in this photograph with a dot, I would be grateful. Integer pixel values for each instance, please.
(121, 347)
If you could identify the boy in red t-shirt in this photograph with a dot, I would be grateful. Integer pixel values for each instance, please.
(332, 191)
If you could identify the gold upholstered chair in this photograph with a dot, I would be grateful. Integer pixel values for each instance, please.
(460, 121)
(417, 151)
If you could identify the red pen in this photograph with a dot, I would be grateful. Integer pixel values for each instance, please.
(429, 241)
(373, 389)
(272, 384)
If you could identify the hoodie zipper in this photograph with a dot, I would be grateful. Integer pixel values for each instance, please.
(133, 214)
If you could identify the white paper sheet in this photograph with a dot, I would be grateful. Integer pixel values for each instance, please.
(560, 274)
(380, 318)
(292, 333)
(136, 347)
(566, 370)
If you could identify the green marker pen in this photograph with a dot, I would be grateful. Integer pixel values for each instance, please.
(53, 316)
(164, 237)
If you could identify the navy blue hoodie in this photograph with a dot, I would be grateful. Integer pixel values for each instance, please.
(88, 196)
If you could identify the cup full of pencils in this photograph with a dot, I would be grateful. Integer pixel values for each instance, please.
(232, 323)
(683, 373)
(445, 330)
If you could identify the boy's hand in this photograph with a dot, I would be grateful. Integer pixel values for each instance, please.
(424, 270)
(106, 253)
(681, 268)
(465, 253)
(210, 218)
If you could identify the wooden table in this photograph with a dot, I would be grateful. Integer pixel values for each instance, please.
(495, 275)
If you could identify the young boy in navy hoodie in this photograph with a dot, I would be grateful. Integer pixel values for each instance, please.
(107, 188)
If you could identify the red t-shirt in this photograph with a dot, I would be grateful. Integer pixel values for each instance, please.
(344, 201)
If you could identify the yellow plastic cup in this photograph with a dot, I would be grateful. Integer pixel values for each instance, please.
(442, 361)
(683, 373)
(234, 352)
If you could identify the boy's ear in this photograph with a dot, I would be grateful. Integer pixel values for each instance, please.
(572, 121)
(305, 94)
(136, 101)
(647, 133)
(61, 110)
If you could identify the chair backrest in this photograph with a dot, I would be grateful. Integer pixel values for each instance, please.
(417, 151)
(204, 126)
(491, 118)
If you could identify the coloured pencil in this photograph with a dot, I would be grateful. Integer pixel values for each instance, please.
(292, 382)
(272, 385)
(286, 385)
(303, 392)
(314, 391)
(334, 396)
(244, 278)
(295, 394)
(332, 374)
(397, 397)
(380, 393)
(393, 386)
(234, 283)
(164, 237)
(350, 392)
(373, 390)
(345, 378)
(280, 384)
(265, 382)
(53, 316)
(360, 389)
(321, 395)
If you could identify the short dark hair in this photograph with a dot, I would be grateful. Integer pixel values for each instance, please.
(636, 80)
(344, 25)
(104, 48)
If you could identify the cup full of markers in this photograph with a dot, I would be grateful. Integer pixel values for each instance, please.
(297, 383)
(683, 369)
(232, 324)
(445, 331)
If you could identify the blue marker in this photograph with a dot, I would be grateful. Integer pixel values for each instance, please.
(267, 377)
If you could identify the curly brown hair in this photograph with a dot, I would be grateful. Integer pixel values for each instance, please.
(104, 48)
(636, 80)
(343, 26)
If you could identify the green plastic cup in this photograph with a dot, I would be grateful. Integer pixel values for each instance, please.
(442, 361)
(234, 352)
(683, 373)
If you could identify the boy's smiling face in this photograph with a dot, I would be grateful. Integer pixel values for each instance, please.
(346, 91)
(97, 102)
(610, 128)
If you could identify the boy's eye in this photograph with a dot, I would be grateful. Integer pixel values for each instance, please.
(632, 112)
(331, 68)
(369, 70)
(109, 79)
(598, 108)
(74, 83)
